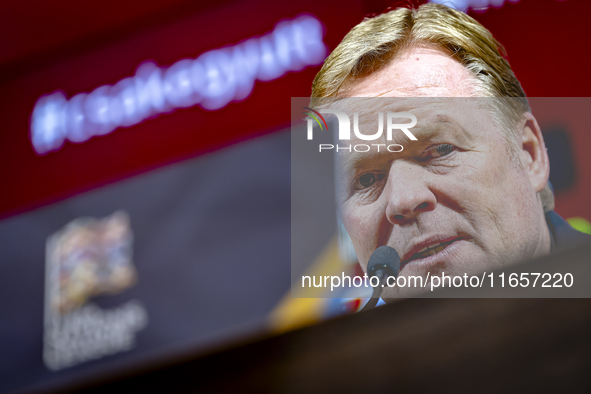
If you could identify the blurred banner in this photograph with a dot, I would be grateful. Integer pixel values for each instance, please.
(102, 115)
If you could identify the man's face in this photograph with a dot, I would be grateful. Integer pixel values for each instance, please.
(451, 202)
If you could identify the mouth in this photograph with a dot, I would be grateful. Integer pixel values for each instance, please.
(430, 250)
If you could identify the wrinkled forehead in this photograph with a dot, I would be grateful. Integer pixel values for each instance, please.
(423, 71)
(366, 106)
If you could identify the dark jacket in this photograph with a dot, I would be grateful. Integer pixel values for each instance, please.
(562, 234)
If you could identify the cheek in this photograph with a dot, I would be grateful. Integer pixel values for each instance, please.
(492, 194)
(362, 225)
(503, 184)
(485, 179)
(359, 226)
(468, 188)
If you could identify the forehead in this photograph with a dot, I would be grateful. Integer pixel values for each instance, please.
(419, 72)
(433, 115)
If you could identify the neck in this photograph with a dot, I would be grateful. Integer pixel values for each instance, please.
(545, 240)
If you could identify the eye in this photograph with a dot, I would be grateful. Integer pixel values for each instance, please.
(368, 179)
(439, 151)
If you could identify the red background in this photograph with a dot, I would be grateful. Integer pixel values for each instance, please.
(77, 46)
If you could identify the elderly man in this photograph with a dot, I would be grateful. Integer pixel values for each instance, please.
(472, 192)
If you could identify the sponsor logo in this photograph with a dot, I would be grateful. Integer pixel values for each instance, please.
(86, 259)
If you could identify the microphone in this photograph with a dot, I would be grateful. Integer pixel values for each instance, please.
(383, 263)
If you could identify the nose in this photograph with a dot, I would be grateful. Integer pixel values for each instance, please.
(409, 194)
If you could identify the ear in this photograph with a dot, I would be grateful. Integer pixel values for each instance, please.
(533, 153)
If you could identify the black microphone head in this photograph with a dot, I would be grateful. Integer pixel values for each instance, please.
(384, 258)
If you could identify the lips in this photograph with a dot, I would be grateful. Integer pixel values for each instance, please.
(428, 247)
